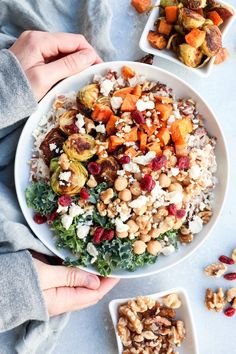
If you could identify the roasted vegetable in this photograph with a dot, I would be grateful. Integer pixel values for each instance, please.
(109, 168)
(215, 17)
(171, 13)
(221, 56)
(190, 19)
(114, 142)
(164, 136)
(195, 38)
(141, 5)
(88, 95)
(127, 72)
(156, 40)
(129, 103)
(165, 3)
(212, 42)
(111, 125)
(52, 144)
(70, 181)
(195, 4)
(223, 11)
(67, 122)
(165, 110)
(80, 147)
(189, 55)
(163, 27)
(101, 113)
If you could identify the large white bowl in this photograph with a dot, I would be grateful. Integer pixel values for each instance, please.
(181, 89)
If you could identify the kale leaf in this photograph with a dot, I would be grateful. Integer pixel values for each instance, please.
(41, 198)
(96, 191)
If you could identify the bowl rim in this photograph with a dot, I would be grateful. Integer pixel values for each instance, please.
(113, 305)
(104, 66)
(204, 71)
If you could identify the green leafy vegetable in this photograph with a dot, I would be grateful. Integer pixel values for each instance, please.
(172, 237)
(103, 221)
(95, 192)
(41, 198)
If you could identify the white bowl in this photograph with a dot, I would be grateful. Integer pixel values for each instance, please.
(169, 54)
(184, 313)
(74, 83)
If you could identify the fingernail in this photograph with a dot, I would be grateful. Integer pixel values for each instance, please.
(92, 281)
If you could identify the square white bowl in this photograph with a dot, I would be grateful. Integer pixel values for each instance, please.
(169, 54)
(184, 313)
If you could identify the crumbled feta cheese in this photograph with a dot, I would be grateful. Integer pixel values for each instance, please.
(194, 172)
(66, 221)
(121, 173)
(148, 122)
(166, 251)
(79, 121)
(65, 176)
(139, 202)
(62, 209)
(82, 231)
(142, 105)
(75, 210)
(148, 114)
(116, 102)
(127, 128)
(175, 197)
(100, 128)
(157, 192)
(120, 226)
(128, 143)
(97, 78)
(52, 146)
(196, 225)
(106, 86)
(91, 249)
(133, 81)
(145, 159)
(131, 167)
(124, 217)
(174, 171)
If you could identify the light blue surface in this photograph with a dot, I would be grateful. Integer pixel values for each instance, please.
(90, 331)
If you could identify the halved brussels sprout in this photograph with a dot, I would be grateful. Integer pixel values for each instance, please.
(75, 177)
(109, 168)
(189, 55)
(88, 95)
(213, 41)
(80, 147)
(52, 144)
(190, 19)
(67, 122)
(195, 4)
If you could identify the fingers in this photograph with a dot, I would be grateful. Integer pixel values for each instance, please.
(59, 276)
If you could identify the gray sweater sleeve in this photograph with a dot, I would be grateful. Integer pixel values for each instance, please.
(16, 97)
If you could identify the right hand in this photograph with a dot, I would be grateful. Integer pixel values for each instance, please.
(68, 289)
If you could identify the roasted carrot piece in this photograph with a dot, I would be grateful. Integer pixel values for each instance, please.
(164, 136)
(171, 13)
(156, 40)
(165, 110)
(141, 5)
(127, 72)
(111, 125)
(155, 146)
(101, 113)
(163, 27)
(195, 38)
(137, 91)
(163, 99)
(179, 130)
(149, 130)
(132, 136)
(123, 92)
(131, 152)
(114, 143)
(143, 140)
(129, 103)
(215, 17)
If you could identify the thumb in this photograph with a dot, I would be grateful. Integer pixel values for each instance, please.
(58, 276)
(70, 64)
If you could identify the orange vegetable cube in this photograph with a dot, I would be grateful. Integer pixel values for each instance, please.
(141, 5)
(114, 143)
(179, 130)
(164, 28)
(163, 99)
(171, 13)
(131, 152)
(111, 125)
(164, 136)
(143, 140)
(149, 130)
(123, 92)
(155, 146)
(156, 40)
(215, 17)
(137, 91)
(132, 136)
(181, 149)
(195, 38)
(101, 113)
(127, 72)
(129, 103)
(165, 110)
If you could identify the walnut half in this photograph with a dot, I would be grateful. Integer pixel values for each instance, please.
(215, 301)
(215, 270)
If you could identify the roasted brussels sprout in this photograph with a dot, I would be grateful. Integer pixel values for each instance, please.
(189, 55)
(67, 122)
(190, 19)
(79, 147)
(88, 95)
(52, 145)
(195, 4)
(70, 181)
(109, 168)
(213, 41)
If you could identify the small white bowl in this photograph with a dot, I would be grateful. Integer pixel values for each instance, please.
(169, 54)
(184, 313)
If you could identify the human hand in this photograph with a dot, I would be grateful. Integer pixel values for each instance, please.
(69, 289)
(47, 58)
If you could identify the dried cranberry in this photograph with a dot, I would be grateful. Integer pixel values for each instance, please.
(39, 219)
(158, 162)
(108, 235)
(124, 159)
(229, 312)
(72, 128)
(183, 163)
(180, 213)
(94, 168)
(65, 200)
(172, 209)
(138, 117)
(97, 237)
(230, 276)
(52, 217)
(147, 183)
(226, 260)
(84, 194)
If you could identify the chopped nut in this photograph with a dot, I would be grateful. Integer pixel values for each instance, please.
(234, 255)
(215, 270)
(215, 301)
(91, 182)
(231, 296)
(172, 301)
(178, 333)
(107, 195)
(205, 216)
(186, 238)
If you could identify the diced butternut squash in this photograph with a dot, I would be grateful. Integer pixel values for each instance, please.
(179, 130)
(141, 5)
(101, 113)
(127, 72)
(215, 17)
(163, 27)
(155, 146)
(156, 40)
(114, 143)
(132, 136)
(195, 38)
(163, 99)
(131, 152)
(224, 12)
(143, 140)
(129, 103)
(149, 130)
(164, 136)
(123, 92)
(165, 110)
(137, 91)
(111, 125)
(171, 13)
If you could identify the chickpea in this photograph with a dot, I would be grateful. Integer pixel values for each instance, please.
(107, 195)
(135, 189)
(91, 182)
(154, 233)
(133, 227)
(175, 187)
(139, 247)
(123, 234)
(125, 195)
(120, 183)
(154, 247)
(164, 180)
(145, 238)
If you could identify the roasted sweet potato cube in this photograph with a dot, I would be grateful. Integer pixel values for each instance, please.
(195, 38)
(163, 27)
(156, 40)
(141, 5)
